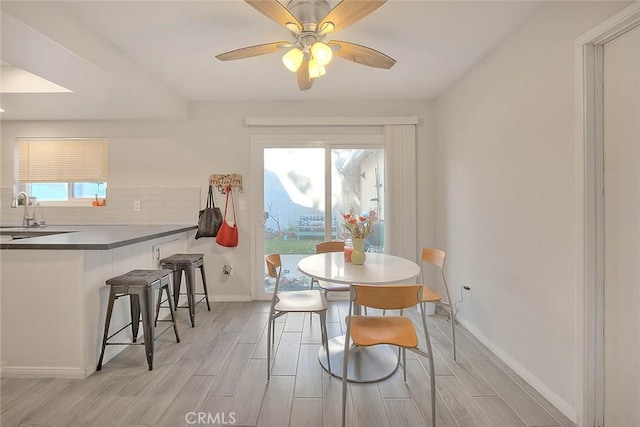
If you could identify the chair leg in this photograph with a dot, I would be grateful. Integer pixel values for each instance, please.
(269, 343)
(325, 340)
(146, 308)
(177, 280)
(453, 331)
(404, 363)
(159, 301)
(204, 286)
(135, 315)
(345, 364)
(273, 332)
(112, 298)
(451, 307)
(191, 293)
(432, 378)
(171, 310)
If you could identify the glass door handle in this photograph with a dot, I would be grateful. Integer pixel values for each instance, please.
(262, 218)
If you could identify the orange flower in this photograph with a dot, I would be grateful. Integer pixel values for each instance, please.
(358, 226)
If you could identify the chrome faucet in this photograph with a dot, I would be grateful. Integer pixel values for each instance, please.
(26, 219)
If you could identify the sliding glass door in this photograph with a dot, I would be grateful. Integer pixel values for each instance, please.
(306, 187)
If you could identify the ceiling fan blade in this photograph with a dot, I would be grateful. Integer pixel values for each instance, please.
(361, 54)
(276, 11)
(248, 52)
(349, 11)
(304, 81)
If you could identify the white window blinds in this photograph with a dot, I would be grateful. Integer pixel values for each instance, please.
(58, 160)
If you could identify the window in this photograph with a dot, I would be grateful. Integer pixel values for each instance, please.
(63, 170)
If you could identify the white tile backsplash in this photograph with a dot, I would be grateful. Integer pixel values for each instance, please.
(159, 206)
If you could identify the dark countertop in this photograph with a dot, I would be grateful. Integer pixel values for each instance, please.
(86, 237)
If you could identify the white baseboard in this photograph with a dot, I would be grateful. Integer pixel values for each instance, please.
(333, 296)
(532, 380)
(37, 372)
(229, 298)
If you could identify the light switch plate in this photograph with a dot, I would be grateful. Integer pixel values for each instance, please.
(137, 206)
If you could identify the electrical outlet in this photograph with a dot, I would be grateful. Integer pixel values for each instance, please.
(137, 206)
(466, 290)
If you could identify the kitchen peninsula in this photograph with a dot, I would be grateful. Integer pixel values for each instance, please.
(54, 294)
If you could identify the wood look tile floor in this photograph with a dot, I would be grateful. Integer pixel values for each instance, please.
(218, 372)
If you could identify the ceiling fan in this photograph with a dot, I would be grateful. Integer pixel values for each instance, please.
(309, 22)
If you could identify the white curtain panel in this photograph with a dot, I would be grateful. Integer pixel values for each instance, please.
(400, 190)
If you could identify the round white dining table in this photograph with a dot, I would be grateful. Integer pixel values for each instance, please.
(366, 364)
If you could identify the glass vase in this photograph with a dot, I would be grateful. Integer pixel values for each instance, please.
(358, 255)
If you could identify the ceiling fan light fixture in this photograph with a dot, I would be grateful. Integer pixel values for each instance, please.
(327, 27)
(293, 59)
(316, 69)
(293, 27)
(322, 53)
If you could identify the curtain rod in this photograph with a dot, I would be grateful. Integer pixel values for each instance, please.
(330, 121)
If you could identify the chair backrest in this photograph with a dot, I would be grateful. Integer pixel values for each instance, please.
(274, 265)
(387, 297)
(437, 258)
(434, 256)
(330, 246)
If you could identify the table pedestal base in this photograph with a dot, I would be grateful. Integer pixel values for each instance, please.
(366, 364)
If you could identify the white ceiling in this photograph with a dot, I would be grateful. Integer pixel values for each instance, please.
(148, 59)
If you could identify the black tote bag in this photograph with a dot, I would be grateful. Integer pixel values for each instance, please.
(209, 218)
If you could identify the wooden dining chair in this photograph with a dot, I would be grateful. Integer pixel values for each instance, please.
(391, 330)
(311, 301)
(437, 258)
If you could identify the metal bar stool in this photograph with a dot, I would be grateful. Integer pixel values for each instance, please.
(140, 287)
(187, 263)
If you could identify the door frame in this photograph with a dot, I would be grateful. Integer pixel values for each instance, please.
(261, 141)
(590, 212)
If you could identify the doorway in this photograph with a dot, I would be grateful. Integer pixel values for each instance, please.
(621, 110)
(607, 231)
(304, 185)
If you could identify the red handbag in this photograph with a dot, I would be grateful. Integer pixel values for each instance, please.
(228, 234)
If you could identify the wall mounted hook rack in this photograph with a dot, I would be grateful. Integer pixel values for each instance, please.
(222, 181)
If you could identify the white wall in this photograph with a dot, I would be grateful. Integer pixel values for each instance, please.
(506, 201)
(149, 156)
